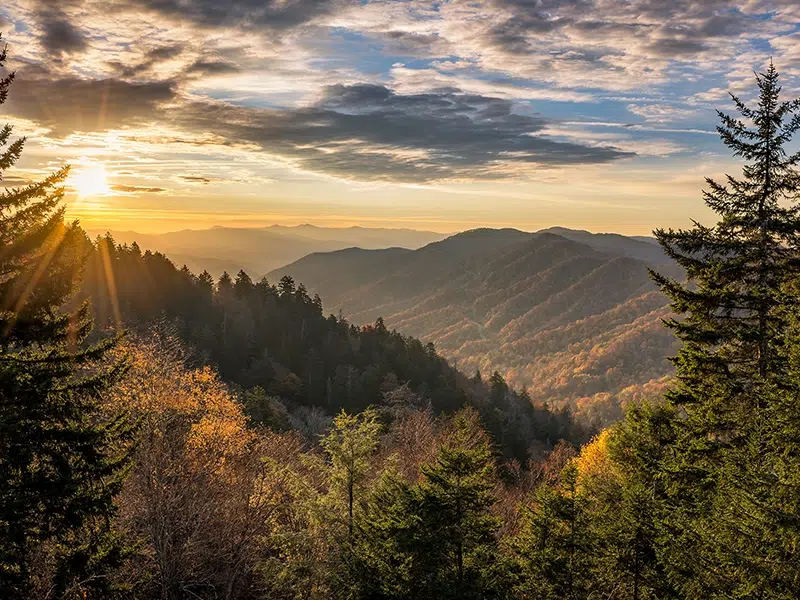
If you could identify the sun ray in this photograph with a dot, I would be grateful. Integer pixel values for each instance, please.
(46, 259)
(111, 283)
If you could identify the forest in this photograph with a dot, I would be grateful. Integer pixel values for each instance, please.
(167, 436)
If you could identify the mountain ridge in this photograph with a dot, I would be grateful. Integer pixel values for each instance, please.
(257, 250)
(576, 323)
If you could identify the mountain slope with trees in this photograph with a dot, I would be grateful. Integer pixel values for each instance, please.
(569, 320)
(274, 342)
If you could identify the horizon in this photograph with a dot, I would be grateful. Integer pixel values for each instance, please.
(296, 225)
(434, 116)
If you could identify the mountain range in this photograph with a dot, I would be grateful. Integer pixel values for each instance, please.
(258, 250)
(571, 315)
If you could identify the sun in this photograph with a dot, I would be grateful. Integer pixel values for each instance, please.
(89, 181)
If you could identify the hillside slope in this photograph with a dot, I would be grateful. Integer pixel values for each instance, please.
(573, 322)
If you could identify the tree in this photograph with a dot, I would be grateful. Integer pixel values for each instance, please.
(349, 445)
(734, 302)
(204, 489)
(624, 501)
(477, 378)
(451, 538)
(437, 538)
(498, 390)
(733, 369)
(555, 547)
(62, 461)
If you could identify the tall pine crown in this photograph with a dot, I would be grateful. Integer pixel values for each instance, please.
(735, 300)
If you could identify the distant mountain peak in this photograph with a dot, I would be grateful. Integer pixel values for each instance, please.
(480, 231)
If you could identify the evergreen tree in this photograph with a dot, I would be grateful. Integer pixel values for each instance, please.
(349, 445)
(477, 378)
(436, 539)
(733, 368)
(377, 565)
(61, 461)
(734, 303)
(627, 514)
(498, 390)
(555, 548)
(752, 531)
(453, 537)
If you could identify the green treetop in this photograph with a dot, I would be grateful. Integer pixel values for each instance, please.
(734, 301)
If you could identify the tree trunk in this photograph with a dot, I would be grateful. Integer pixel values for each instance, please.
(350, 507)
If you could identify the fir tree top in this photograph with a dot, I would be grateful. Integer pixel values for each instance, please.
(737, 270)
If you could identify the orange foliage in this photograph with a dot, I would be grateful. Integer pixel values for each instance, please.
(159, 389)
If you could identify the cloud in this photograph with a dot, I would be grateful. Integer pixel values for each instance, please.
(152, 58)
(672, 47)
(661, 113)
(245, 14)
(594, 44)
(407, 80)
(136, 189)
(59, 35)
(10, 181)
(196, 179)
(204, 66)
(277, 79)
(712, 95)
(370, 132)
(69, 104)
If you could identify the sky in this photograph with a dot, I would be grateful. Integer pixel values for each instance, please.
(446, 115)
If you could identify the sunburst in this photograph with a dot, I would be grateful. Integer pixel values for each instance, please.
(90, 181)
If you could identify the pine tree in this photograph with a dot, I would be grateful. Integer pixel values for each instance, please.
(349, 445)
(454, 536)
(477, 378)
(734, 302)
(752, 531)
(377, 565)
(733, 367)
(617, 477)
(437, 539)
(61, 460)
(627, 511)
(555, 548)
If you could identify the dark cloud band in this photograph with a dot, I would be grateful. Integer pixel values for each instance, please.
(368, 132)
(365, 132)
(66, 105)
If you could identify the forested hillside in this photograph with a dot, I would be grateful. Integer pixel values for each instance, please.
(297, 364)
(574, 320)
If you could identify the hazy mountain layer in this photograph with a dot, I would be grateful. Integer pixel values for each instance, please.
(576, 320)
(258, 250)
